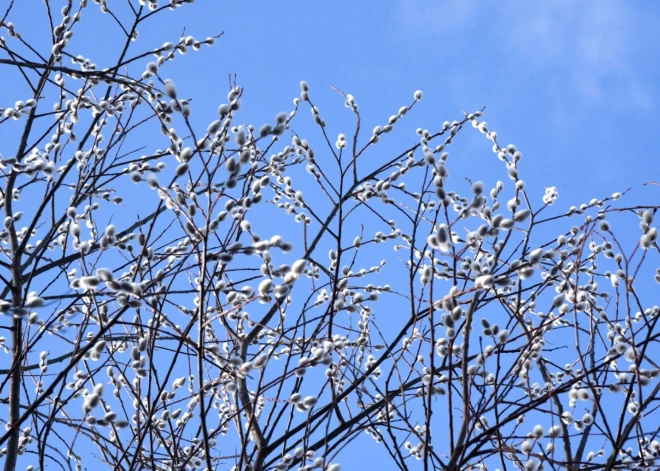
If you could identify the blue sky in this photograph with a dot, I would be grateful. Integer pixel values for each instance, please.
(572, 84)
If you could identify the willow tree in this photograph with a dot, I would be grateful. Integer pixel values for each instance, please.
(232, 296)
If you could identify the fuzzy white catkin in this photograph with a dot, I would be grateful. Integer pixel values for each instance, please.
(310, 401)
(266, 286)
(507, 224)
(484, 281)
(554, 431)
(503, 335)
(33, 300)
(104, 274)
(260, 361)
(521, 215)
(177, 383)
(526, 447)
(538, 431)
(89, 282)
(535, 256)
(181, 169)
(558, 300)
(296, 270)
(91, 401)
(170, 89)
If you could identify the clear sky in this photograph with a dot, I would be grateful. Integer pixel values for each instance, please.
(574, 84)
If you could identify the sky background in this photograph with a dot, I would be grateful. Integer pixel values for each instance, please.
(572, 84)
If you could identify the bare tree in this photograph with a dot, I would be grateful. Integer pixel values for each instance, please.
(244, 299)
